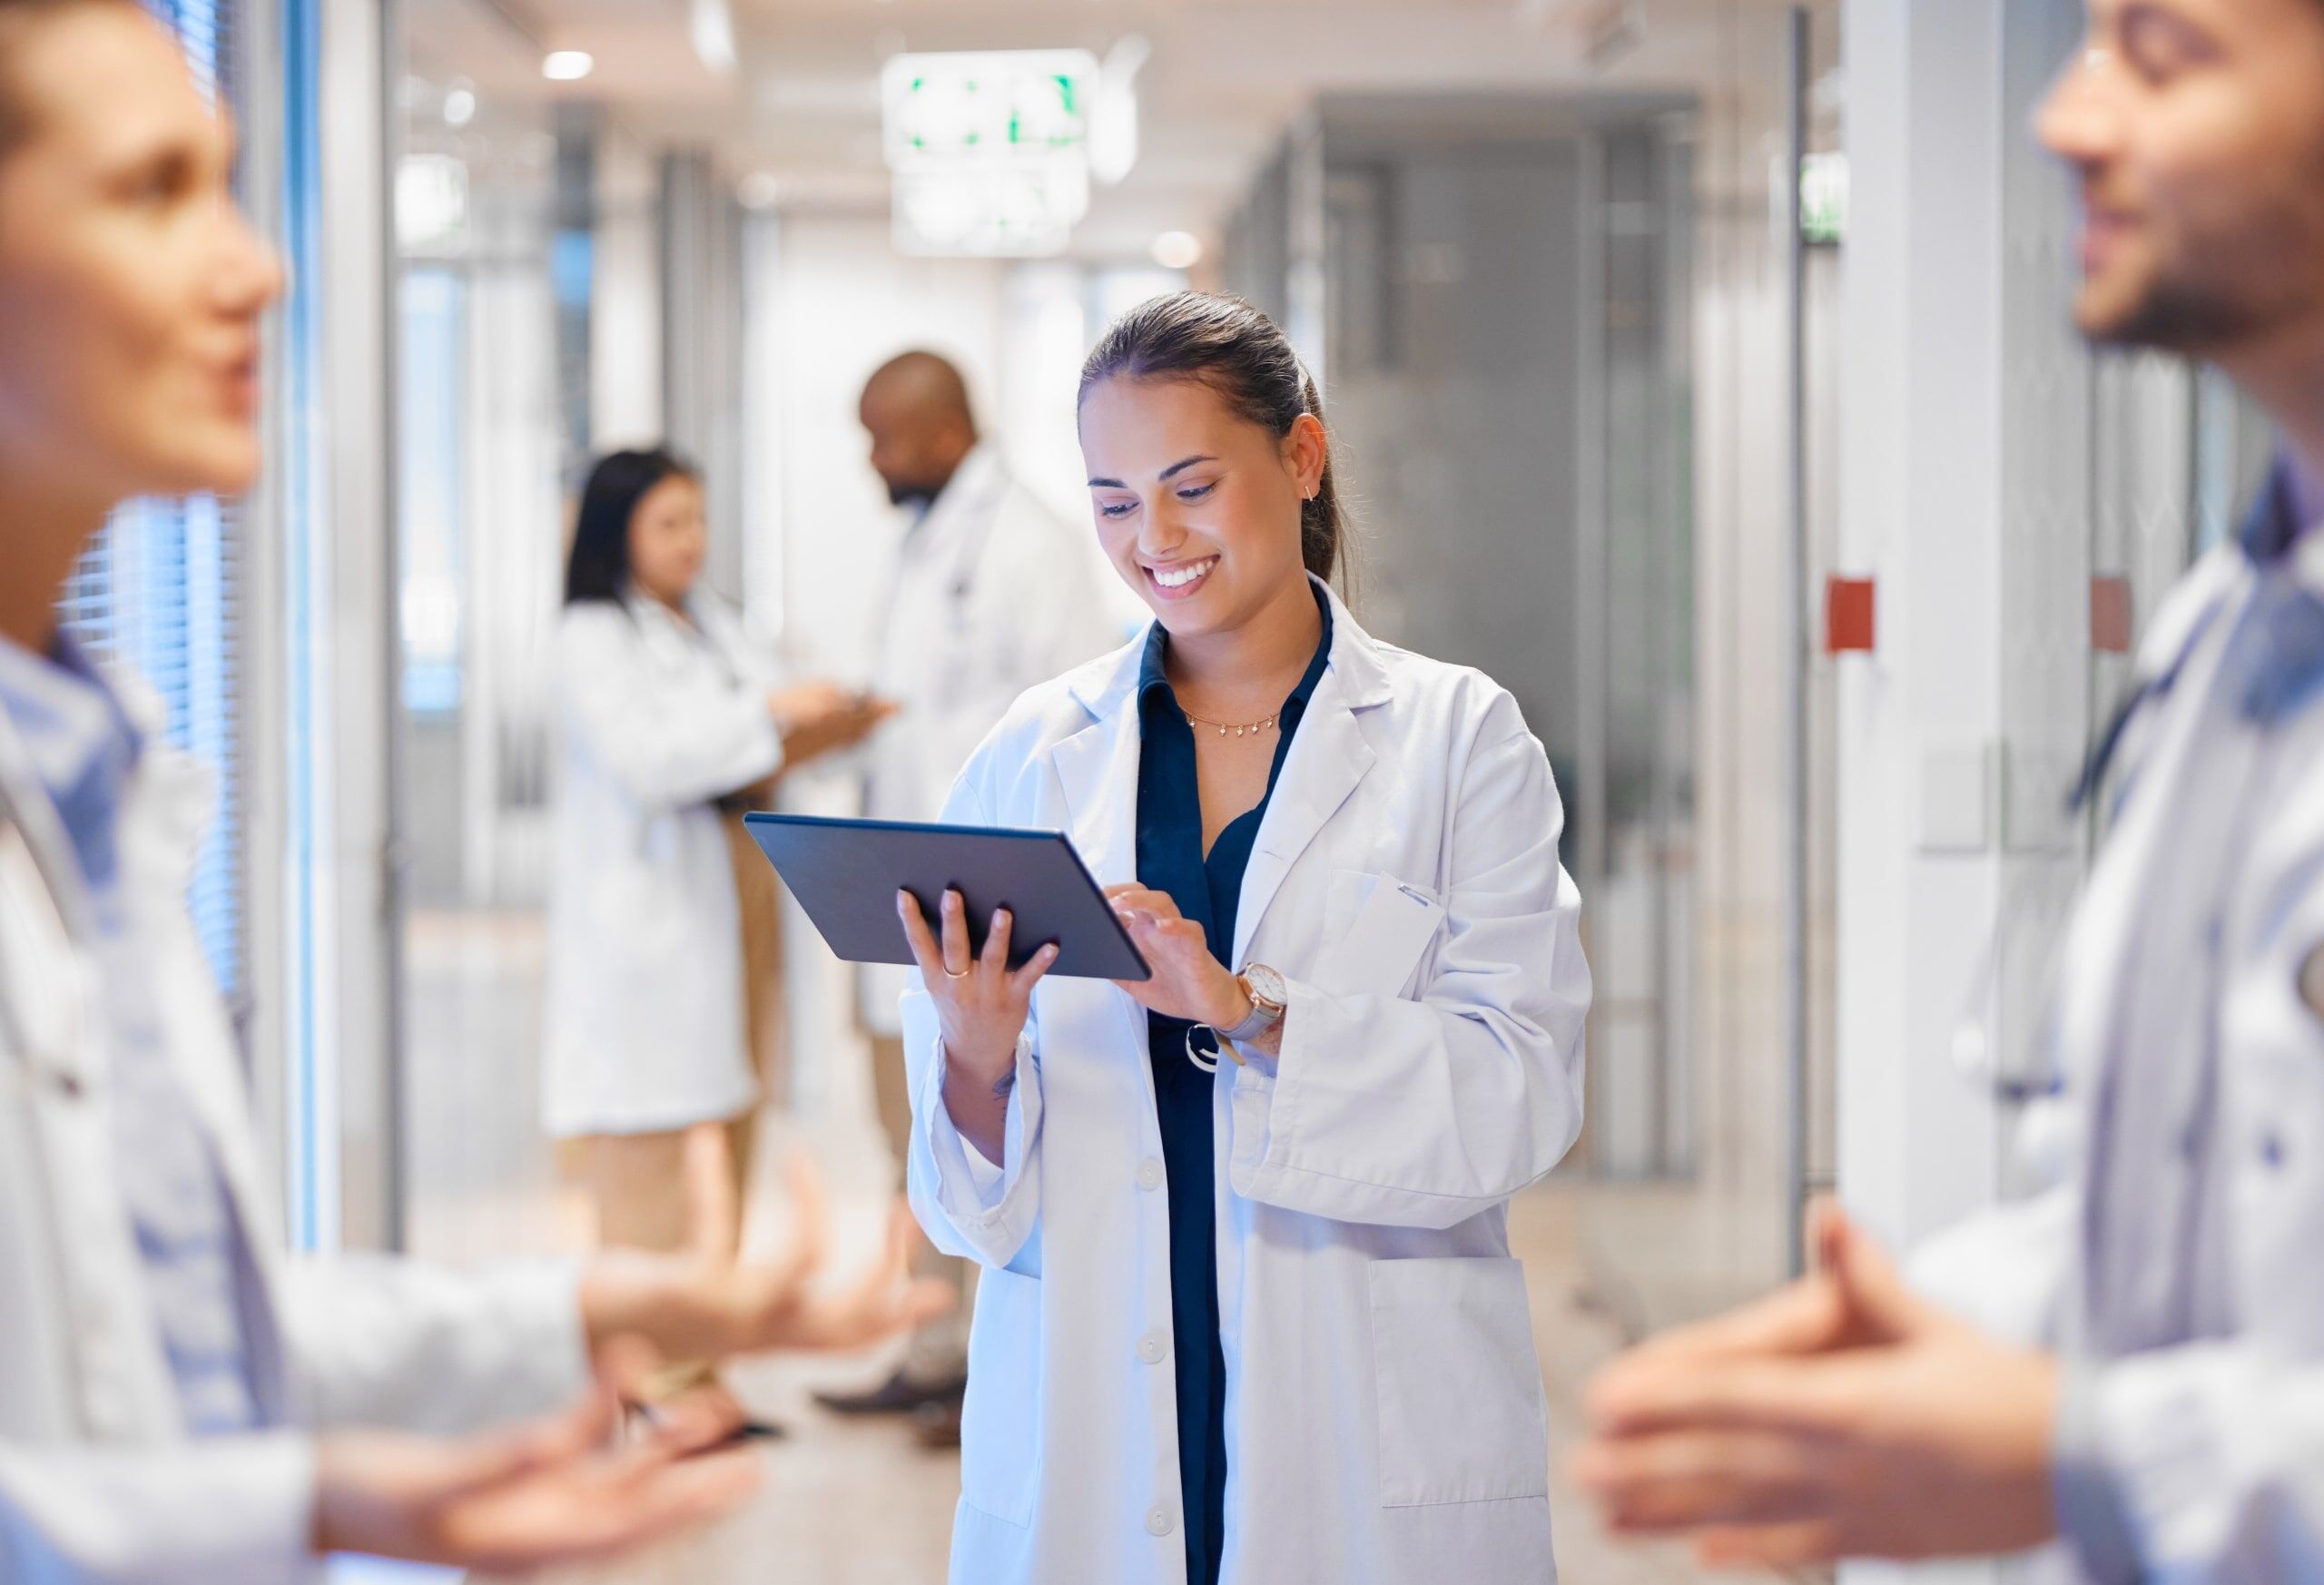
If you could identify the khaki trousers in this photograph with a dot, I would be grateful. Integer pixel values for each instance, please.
(641, 1181)
(646, 1184)
(758, 897)
(891, 1089)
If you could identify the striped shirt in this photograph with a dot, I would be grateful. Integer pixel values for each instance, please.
(83, 750)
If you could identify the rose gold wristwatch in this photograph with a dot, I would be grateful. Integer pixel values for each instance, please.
(1269, 995)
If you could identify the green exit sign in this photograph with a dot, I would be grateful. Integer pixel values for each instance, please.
(986, 104)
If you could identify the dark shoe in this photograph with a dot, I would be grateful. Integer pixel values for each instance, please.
(711, 1393)
(899, 1394)
(938, 1425)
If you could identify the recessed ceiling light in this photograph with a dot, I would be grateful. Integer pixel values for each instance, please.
(460, 107)
(1178, 249)
(569, 65)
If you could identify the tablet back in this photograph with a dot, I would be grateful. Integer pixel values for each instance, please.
(846, 872)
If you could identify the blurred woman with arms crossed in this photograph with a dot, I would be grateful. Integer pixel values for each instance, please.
(665, 707)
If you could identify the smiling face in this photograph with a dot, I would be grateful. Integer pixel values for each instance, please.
(668, 539)
(130, 287)
(2196, 128)
(1198, 508)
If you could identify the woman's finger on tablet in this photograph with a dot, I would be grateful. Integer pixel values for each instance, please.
(1023, 980)
(956, 934)
(1144, 900)
(995, 956)
(924, 949)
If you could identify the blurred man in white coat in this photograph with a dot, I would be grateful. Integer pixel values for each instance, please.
(993, 592)
(2132, 1363)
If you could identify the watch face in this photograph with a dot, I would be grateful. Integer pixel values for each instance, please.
(1266, 984)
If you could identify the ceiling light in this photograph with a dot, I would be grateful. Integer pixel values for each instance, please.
(1178, 249)
(567, 65)
(759, 190)
(460, 107)
(1113, 118)
(712, 26)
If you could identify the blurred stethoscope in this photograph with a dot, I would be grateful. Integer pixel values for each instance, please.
(2278, 645)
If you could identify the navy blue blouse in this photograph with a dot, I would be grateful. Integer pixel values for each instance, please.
(1207, 889)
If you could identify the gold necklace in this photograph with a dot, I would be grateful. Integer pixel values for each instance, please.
(1223, 728)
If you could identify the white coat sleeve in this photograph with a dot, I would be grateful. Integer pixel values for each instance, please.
(230, 1510)
(383, 1342)
(2197, 1465)
(2004, 1270)
(960, 1206)
(666, 748)
(1423, 1112)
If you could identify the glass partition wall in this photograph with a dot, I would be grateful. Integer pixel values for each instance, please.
(1564, 361)
(480, 537)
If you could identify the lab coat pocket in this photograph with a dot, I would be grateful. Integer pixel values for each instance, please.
(1461, 1418)
(1376, 928)
(1001, 1453)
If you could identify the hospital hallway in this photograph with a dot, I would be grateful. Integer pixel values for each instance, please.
(686, 409)
(862, 1503)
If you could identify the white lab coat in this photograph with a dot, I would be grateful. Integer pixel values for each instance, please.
(2198, 1463)
(1384, 1415)
(99, 1484)
(992, 594)
(643, 1029)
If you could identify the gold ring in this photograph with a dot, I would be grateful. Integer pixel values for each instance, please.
(963, 974)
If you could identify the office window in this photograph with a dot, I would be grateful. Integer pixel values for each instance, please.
(158, 593)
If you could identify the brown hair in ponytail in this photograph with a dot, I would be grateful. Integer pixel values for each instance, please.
(1239, 352)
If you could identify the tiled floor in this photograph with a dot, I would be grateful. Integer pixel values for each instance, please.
(856, 1503)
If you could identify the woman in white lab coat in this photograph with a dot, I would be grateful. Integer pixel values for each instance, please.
(664, 707)
(177, 1400)
(1248, 1313)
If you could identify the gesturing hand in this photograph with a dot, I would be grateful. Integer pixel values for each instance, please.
(706, 1304)
(1188, 982)
(1844, 1417)
(522, 1498)
(815, 718)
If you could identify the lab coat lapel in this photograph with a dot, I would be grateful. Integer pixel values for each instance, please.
(1097, 767)
(1329, 758)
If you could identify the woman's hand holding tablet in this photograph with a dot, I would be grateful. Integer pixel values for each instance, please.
(1187, 982)
(981, 1005)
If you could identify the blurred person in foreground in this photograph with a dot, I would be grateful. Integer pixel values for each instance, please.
(664, 708)
(2132, 1363)
(991, 593)
(178, 1402)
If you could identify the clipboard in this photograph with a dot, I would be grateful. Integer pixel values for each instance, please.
(846, 873)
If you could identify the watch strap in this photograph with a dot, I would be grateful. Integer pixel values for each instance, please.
(1263, 1016)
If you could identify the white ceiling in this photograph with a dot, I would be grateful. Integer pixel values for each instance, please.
(1225, 78)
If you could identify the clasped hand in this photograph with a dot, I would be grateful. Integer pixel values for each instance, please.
(1845, 1416)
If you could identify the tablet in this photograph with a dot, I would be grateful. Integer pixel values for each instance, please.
(846, 873)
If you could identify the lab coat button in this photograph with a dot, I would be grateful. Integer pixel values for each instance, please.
(1151, 1347)
(1150, 1174)
(1161, 1522)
